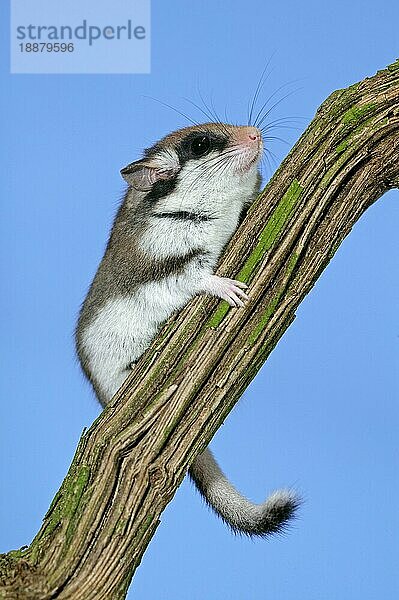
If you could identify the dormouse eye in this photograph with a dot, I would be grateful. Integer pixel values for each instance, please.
(200, 146)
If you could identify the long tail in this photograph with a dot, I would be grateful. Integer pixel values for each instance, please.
(239, 513)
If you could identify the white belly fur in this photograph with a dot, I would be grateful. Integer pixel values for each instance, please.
(125, 326)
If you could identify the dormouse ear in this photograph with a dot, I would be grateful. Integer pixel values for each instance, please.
(142, 174)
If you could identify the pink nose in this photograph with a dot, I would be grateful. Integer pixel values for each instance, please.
(253, 133)
(249, 135)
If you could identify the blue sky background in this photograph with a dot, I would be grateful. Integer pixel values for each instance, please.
(323, 413)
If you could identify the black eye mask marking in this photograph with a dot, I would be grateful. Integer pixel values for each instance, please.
(161, 188)
(198, 144)
(194, 146)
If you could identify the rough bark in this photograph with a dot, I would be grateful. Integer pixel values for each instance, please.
(130, 462)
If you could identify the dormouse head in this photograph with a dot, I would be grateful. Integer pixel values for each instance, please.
(203, 160)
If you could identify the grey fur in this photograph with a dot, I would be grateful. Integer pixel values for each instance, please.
(177, 214)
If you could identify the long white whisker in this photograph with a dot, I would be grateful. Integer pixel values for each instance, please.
(274, 106)
(260, 85)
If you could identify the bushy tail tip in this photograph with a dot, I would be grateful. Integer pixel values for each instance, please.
(241, 515)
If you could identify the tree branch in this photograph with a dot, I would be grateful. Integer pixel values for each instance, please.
(130, 462)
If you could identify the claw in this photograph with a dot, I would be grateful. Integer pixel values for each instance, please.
(236, 283)
(230, 290)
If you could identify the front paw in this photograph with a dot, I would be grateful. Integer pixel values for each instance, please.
(230, 290)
